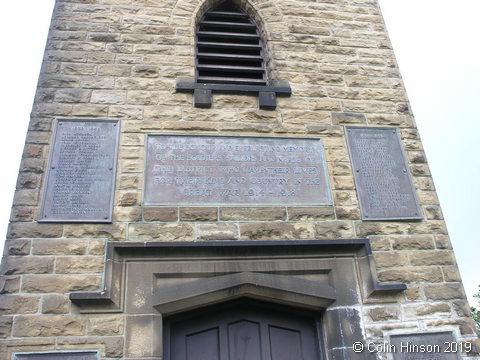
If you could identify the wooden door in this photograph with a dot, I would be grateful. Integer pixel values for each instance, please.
(244, 333)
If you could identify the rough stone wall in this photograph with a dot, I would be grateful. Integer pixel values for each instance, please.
(119, 59)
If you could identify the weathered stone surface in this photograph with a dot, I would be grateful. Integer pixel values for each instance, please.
(79, 265)
(60, 283)
(412, 242)
(199, 214)
(110, 346)
(55, 325)
(412, 275)
(5, 326)
(430, 310)
(27, 265)
(390, 259)
(9, 284)
(310, 213)
(164, 214)
(334, 230)
(347, 212)
(451, 274)
(18, 304)
(111, 232)
(217, 231)
(59, 247)
(276, 231)
(384, 314)
(106, 325)
(55, 304)
(160, 232)
(34, 230)
(18, 247)
(252, 213)
(413, 293)
(422, 258)
(348, 118)
(127, 214)
(444, 292)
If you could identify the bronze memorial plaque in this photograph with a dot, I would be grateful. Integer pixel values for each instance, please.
(426, 346)
(81, 176)
(61, 355)
(234, 170)
(383, 181)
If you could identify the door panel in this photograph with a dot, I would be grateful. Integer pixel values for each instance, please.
(244, 333)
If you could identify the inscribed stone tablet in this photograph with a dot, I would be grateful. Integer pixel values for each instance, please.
(198, 170)
(427, 346)
(84, 355)
(81, 174)
(383, 181)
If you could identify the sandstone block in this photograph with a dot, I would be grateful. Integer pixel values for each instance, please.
(217, 231)
(276, 231)
(252, 213)
(434, 309)
(347, 212)
(313, 213)
(9, 284)
(59, 247)
(27, 265)
(380, 243)
(96, 247)
(161, 232)
(413, 293)
(105, 325)
(55, 325)
(199, 214)
(164, 214)
(108, 97)
(18, 304)
(343, 183)
(22, 213)
(79, 265)
(18, 247)
(386, 313)
(60, 283)
(339, 118)
(127, 214)
(107, 231)
(412, 275)
(90, 110)
(422, 258)
(55, 304)
(390, 259)
(444, 292)
(334, 230)
(412, 242)
(451, 274)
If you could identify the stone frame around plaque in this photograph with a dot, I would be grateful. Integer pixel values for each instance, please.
(417, 214)
(325, 174)
(62, 354)
(396, 354)
(107, 217)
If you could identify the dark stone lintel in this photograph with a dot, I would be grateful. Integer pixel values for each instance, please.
(203, 91)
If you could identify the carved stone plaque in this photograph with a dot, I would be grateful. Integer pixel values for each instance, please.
(81, 176)
(198, 170)
(67, 355)
(427, 346)
(383, 181)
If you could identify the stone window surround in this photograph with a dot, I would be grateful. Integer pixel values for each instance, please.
(327, 278)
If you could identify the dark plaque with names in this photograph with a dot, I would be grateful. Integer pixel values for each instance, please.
(234, 170)
(382, 177)
(425, 346)
(61, 355)
(81, 173)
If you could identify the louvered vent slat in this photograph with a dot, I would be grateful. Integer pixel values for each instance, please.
(229, 48)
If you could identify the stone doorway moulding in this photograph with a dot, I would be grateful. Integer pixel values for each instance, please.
(150, 281)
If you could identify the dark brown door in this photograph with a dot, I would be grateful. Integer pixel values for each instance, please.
(244, 333)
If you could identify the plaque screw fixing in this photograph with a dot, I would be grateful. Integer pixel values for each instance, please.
(110, 169)
(404, 170)
(53, 167)
(105, 217)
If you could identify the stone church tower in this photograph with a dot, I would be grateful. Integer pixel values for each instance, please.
(226, 180)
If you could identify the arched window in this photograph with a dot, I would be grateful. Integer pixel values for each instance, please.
(229, 48)
(230, 58)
